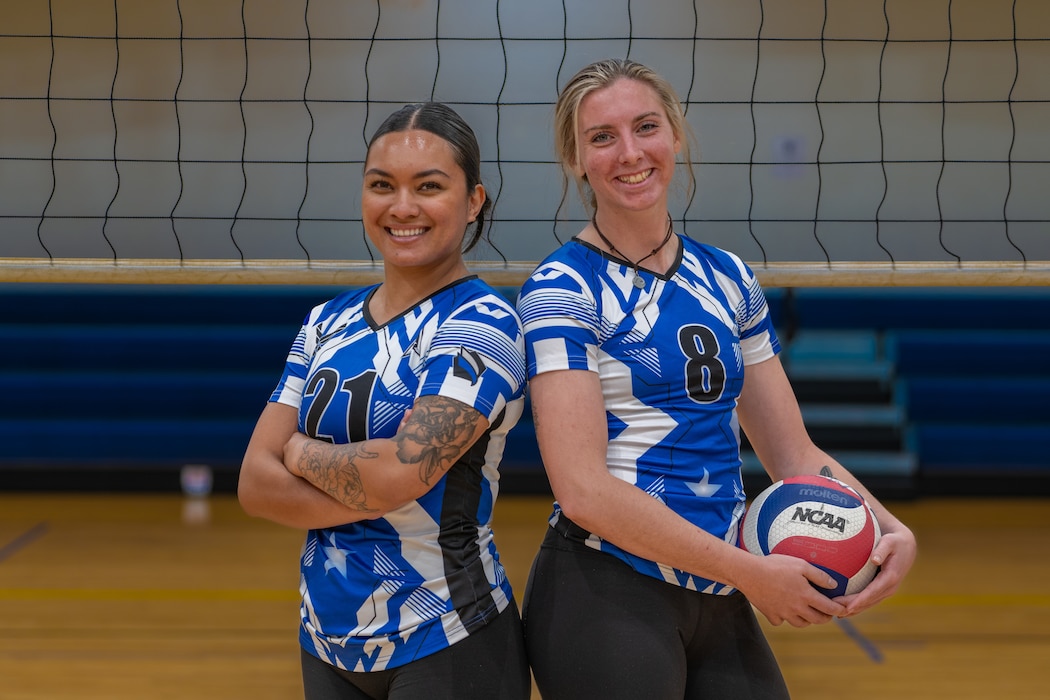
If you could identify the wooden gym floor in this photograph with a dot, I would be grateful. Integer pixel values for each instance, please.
(153, 596)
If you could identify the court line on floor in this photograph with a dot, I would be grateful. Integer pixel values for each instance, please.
(22, 541)
(149, 594)
(263, 594)
(867, 646)
(970, 599)
(953, 599)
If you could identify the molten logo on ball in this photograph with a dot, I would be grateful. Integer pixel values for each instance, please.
(819, 519)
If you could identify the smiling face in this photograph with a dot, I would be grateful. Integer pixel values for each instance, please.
(414, 200)
(626, 146)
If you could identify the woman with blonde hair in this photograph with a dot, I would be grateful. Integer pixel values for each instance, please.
(647, 353)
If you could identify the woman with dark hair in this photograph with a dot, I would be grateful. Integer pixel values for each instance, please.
(384, 436)
(648, 352)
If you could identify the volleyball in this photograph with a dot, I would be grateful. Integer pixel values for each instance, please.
(819, 519)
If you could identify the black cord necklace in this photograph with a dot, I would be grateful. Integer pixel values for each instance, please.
(638, 282)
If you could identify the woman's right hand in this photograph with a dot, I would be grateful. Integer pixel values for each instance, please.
(783, 588)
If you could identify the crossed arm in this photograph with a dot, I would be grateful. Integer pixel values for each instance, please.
(301, 482)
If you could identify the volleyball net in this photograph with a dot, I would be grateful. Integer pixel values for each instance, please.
(842, 142)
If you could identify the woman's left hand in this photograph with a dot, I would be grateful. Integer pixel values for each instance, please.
(293, 452)
(895, 555)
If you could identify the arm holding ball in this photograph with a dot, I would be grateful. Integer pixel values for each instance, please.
(770, 416)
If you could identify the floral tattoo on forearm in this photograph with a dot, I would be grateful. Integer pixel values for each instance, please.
(338, 474)
(438, 432)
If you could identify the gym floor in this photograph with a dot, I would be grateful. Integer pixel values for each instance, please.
(157, 596)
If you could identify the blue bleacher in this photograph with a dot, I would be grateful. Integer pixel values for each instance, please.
(918, 384)
(973, 352)
(121, 385)
(139, 379)
(922, 308)
(845, 385)
(971, 373)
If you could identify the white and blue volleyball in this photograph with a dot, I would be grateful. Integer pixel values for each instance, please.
(819, 519)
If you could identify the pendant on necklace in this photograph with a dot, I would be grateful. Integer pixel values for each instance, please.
(638, 282)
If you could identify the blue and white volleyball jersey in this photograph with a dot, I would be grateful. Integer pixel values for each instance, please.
(671, 359)
(379, 593)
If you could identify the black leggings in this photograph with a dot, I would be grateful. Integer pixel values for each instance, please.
(595, 628)
(488, 665)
